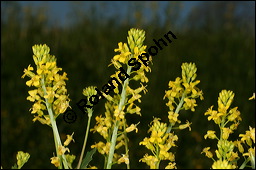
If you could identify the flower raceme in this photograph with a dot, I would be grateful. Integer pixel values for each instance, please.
(50, 95)
(132, 54)
(114, 81)
(181, 95)
(224, 116)
(112, 125)
(50, 86)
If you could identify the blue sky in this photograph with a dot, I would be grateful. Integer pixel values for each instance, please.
(60, 11)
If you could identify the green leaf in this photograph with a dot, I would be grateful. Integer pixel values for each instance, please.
(87, 159)
(15, 166)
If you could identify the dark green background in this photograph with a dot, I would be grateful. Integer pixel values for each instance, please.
(218, 36)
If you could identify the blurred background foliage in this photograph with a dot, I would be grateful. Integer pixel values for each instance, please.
(218, 36)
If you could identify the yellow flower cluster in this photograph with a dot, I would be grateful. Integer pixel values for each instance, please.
(183, 92)
(50, 86)
(22, 158)
(159, 143)
(227, 158)
(132, 59)
(181, 95)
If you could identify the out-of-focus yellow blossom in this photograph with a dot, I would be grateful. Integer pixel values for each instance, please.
(102, 147)
(22, 158)
(69, 139)
(70, 159)
(190, 104)
(210, 134)
(253, 97)
(173, 117)
(234, 156)
(55, 161)
(184, 126)
(248, 139)
(124, 159)
(213, 115)
(150, 160)
(239, 146)
(224, 100)
(207, 152)
(92, 167)
(132, 127)
(62, 150)
(222, 165)
(226, 132)
(171, 165)
(249, 136)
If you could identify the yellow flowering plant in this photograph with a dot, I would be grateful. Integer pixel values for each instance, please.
(123, 94)
(112, 126)
(228, 120)
(181, 95)
(49, 97)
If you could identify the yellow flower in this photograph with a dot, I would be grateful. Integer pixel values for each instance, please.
(184, 126)
(62, 150)
(122, 58)
(234, 115)
(173, 117)
(252, 133)
(233, 156)
(22, 158)
(250, 153)
(207, 152)
(239, 146)
(132, 127)
(210, 134)
(190, 104)
(150, 161)
(224, 100)
(249, 136)
(50, 86)
(171, 166)
(102, 147)
(119, 114)
(33, 95)
(46, 120)
(226, 132)
(124, 159)
(213, 115)
(155, 137)
(28, 72)
(222, 165)
(146, 142)
(253, 97)
(69, 139)
(55, 161)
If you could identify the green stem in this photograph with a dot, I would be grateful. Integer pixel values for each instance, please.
(177, 111)
(244, 163)
(126, 145)
(112, 146)
(85, 138)
(116, 125)
(56, 135)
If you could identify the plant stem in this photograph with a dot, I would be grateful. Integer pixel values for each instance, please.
(85, 138)
(126, 145)
(177, 111)
(56, 135)
(116, 125)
